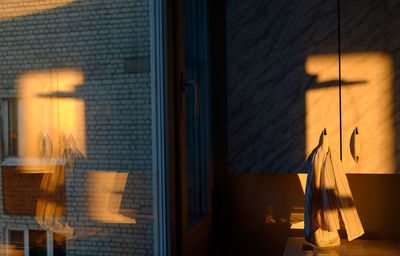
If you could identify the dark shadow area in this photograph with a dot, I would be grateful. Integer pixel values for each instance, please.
(375, 196)
(267, 46)
(255, 212)
(218, 95)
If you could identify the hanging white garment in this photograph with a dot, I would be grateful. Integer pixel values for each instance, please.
(327, 194)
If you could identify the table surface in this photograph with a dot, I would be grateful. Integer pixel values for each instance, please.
(297, 246)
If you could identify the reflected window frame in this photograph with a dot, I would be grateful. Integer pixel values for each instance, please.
(49, 240)
(11, 136)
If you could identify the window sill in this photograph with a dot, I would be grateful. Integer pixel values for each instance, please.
(33, 165)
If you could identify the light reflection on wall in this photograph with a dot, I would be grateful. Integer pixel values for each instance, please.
(297, 213)
(52, 119)
(51, 136)
(11, 250)
(51, 128)
(50, 208)
(12, 9)
(105, 192)
(367, 103)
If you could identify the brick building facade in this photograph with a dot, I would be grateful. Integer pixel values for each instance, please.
(95, 58)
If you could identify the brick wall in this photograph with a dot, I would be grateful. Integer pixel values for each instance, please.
(109, 42)
(22, 191)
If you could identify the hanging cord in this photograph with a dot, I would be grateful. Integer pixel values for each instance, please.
(340, 81)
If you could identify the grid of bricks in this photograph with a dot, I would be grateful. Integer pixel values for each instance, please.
(96, 37)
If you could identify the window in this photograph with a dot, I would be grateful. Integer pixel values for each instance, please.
(34, 242)
(10, 127)
(198, 110)
(15, 242)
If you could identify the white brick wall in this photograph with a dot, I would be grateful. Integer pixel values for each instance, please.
(95, 37)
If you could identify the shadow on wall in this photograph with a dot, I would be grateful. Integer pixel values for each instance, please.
(266, 80)
(367, 103)
(282, 84)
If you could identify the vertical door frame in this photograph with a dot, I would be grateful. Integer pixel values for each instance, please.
(171, 232)
(183, 238)
(176, 61)
(166, 37)
(177, 126)
(160, 128)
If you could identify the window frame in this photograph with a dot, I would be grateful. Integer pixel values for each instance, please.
(49, 240)
(5, 119)
(8, 159)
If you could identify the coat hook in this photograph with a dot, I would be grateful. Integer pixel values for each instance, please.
(325, 143)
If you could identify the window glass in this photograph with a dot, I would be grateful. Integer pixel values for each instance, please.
(37, 243)
(13, 127)
(59, 244)
(77, 127)
(16, 241)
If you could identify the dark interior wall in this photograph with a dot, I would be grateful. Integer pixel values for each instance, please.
(247, 203)
(267, 45)
(252, 211)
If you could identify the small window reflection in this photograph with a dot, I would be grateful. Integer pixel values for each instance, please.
(10, 127)
(37, 243)
(16, 242)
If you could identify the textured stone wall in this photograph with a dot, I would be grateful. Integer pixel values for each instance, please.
(108, 41)
(267, 47)
(283, 83)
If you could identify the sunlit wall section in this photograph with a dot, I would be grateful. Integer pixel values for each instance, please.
(368, 134)
(105, 191)
(322, 102)
(53, 121)
(368, 106)
(17, 8)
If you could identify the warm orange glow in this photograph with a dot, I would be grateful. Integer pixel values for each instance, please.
(105, 191)
(303, 181)
(51, 207)
(297, 214)
(12, 8)
(367, 103)
(297, 220)
(52, 120)
(322, 104)
(269, 219)
(51, 128)
(10, 250)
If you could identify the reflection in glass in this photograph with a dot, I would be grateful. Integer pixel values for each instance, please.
(12, 127)
(53, 119)
(37, 243)
(105, 191)
(16, 242)
(69, 107)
